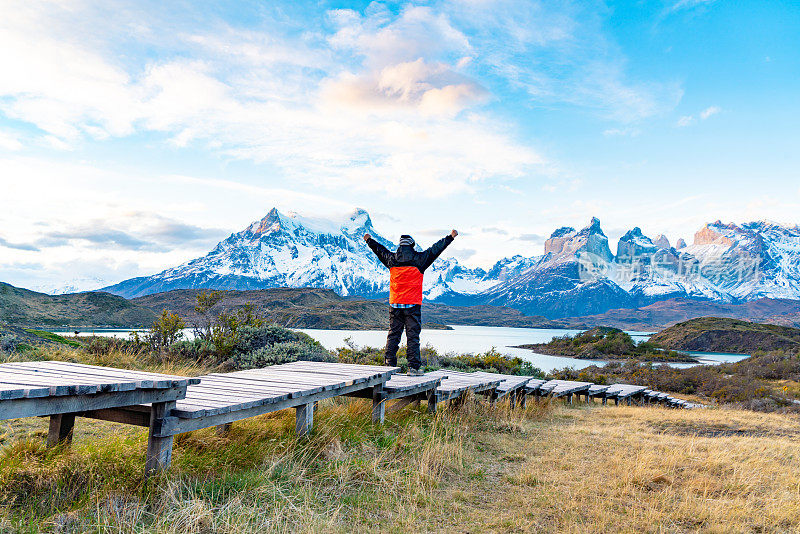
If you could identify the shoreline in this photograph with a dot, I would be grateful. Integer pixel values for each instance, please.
(543, 349)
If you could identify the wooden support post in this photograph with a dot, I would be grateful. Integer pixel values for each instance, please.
(223, 429)
(61, 426)
(512, 399)
(616, 401)
(492, 398)
(523, 398)
(629, 401)
(159, 450)
(605, 401)
(378, 404)
(569, 398)
(304, 419)
(432, 398)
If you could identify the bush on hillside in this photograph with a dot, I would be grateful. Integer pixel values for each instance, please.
(8, 343)
(491, 361)
(250, 338)
(251, 346)
(278, 353)
(195, 349)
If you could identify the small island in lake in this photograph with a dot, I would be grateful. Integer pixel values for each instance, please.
(606, 343)
(720, 334)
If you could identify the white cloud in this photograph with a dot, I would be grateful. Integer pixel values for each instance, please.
(684, 121)
(9, 141)
(709, 111)
(394, 121)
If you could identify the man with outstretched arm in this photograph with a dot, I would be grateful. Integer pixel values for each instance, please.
(406, 267)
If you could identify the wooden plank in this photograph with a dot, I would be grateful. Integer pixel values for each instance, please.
(119, 415)
(56, 386)
(19, 391)
(314, 376)
(295, 383)
(55, 376)
(255, 382)
(77, 375)
(345, 366)
(15, 408)
(144, 375)
(159, 380)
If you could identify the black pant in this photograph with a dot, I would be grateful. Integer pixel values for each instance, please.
(411, 320)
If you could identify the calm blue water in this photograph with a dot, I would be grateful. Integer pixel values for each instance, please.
(469, 339)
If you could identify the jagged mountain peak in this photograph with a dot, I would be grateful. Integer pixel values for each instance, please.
(662, 242)
(593, 228)
(563, 231)
(270, 223)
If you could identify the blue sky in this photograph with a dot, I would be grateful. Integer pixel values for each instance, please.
(135, 135)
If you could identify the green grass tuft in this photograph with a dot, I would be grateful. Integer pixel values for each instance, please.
(50, 336)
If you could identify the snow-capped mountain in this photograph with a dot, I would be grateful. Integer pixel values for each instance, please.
(570, 279)
(293, 251)
(577, 275)
(77, 285)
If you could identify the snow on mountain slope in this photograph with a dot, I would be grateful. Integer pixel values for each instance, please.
(294, 251)
(750, 261)
(577, 274)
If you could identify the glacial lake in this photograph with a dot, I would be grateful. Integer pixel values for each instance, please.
(467, 339)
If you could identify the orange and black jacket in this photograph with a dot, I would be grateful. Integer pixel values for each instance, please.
(406, 267)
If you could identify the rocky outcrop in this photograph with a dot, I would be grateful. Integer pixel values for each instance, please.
(680, 244)
(662, 242)
(710, 236)
(634, 245)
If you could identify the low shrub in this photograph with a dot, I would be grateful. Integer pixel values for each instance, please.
(8, 342)
(492, 361)
(278, 353)
(251, 338)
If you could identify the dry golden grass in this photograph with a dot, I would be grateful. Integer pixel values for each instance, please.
(549, 468)
(632, 469)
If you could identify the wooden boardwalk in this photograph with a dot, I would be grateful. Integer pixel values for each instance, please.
(512, 386)
(170, 405)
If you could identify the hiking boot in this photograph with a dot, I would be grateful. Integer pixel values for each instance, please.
(415, 372)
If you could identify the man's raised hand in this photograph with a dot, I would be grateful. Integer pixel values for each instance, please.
(453, 234)
(367, 237)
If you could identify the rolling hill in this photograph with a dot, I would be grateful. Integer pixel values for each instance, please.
(92, 309)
